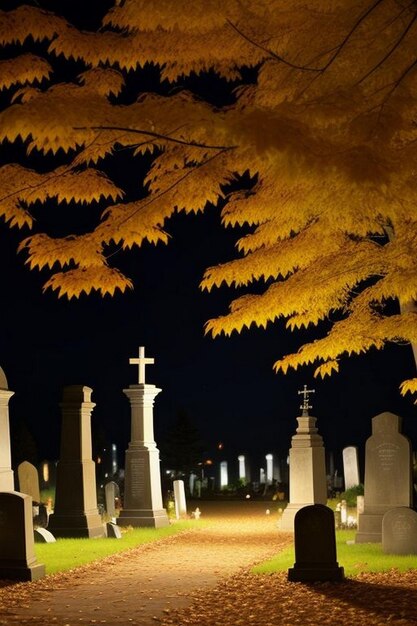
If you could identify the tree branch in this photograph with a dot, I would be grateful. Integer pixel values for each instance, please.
(271, 52)
(391, 50)
(156, 135)
(350, 33)
(170, 188)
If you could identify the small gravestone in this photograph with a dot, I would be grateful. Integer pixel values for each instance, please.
(112, 497)
(42, 535)
(399, 531)
(315, 546)
(351, 466)
(17, 552)
(29, 480)
(179, 498)
(113, 531)
(388, 478)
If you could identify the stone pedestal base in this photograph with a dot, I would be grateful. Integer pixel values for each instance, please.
(301, 574)
(287, 519)
(89, 526)
(23, 573)
(370, 524)
(143, 517)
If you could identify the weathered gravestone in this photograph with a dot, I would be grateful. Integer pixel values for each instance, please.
(179, 498)
(17, 553)
(351, 466)
(113, 531)
(75, 512)
(112, 497)
(28, 479)
(399, 531)
(6, 473)
(42, 535)
(308, 483)
(315, 546)
(142, 502)
(388, 479)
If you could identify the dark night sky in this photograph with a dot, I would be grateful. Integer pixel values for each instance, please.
(226, 385)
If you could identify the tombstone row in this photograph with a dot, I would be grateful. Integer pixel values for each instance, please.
(75, 512)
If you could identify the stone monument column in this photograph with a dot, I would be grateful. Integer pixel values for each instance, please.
(308, 483)
(6, 472)
(75, 512)
(142, 503)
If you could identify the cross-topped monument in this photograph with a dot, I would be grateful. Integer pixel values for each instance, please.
(305, 406)
(142, 363)
(142, 505)
(307, 466)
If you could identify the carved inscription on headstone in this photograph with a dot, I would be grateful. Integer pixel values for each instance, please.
(388, 481)
(399, 531)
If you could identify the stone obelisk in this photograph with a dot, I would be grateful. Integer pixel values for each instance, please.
(75, 512)
(142, 503)
(6, 472)
(308, 483)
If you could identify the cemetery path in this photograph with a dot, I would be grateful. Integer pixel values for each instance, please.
(201, 578)
(142, 586)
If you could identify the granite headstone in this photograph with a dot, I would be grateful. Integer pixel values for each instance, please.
(17, 552)
(388, 478)
(399, 531)
(315, 546)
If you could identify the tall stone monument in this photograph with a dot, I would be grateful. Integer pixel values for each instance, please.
(388, 477)
(142, 505)
(308, 483)
(6, 473)
(75, 512)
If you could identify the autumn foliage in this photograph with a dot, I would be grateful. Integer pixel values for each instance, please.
(328, 133)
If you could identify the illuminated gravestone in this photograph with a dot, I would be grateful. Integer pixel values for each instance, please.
(308, 484)
(388, 477)
(224, 475)
(75, 512)
(315, 546)
(112, 497)
(142, 504)
(47, 475)
(242, 468)
(17, 552)
(351, 466)
(269, 468)
(6, 473)
(399, 531)
(179, 498)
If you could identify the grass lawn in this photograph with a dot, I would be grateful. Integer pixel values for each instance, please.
(66, 554)
(356, 558)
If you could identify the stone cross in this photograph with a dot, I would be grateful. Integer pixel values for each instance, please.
(305, 406)
(141, 362)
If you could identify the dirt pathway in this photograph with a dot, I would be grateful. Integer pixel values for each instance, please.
(142, 587)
